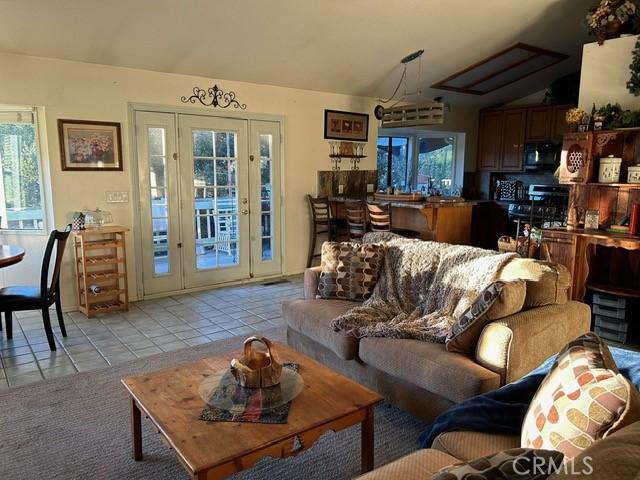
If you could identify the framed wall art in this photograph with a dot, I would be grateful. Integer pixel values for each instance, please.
(346, 126)
(90, 146)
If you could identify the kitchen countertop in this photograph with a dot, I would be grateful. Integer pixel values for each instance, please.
(416, 205)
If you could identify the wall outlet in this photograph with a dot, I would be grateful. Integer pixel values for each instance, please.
(118, 197)
(340, 189)
(369, 187)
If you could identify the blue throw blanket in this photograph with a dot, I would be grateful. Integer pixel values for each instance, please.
(503, 410)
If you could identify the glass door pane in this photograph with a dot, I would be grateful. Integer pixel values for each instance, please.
(215, 208)
(265, 198)
(215, 199)
(159, 215)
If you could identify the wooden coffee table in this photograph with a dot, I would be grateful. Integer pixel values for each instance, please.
(212, 450)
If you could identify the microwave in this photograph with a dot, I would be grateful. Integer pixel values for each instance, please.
(542, 156)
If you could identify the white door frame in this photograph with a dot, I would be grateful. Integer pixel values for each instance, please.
(132, 107)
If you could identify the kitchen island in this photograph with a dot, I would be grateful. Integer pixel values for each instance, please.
(446, 221)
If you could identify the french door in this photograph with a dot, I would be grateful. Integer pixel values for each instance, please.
(209, 199)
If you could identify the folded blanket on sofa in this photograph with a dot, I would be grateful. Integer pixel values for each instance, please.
(503, 410)
(422, 289)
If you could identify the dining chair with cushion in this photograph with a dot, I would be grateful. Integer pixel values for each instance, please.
(20, 298)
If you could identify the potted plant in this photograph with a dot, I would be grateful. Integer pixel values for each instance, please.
(611, 18)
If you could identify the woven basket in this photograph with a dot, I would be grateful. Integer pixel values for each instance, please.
(507, 244)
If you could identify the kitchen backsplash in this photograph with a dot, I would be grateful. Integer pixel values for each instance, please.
(354, 183)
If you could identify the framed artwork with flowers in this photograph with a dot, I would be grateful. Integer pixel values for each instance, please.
(90, 145)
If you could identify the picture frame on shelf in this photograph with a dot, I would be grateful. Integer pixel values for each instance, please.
(339, 125)
(87, 145)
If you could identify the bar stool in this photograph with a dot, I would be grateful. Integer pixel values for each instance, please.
(356, 219)
(379, 216)
(380, 220)
(321, 223)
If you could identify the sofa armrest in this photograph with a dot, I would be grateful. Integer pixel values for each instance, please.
(515, 345)
(311, 278)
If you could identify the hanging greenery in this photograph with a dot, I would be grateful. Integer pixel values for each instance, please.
(633, 85)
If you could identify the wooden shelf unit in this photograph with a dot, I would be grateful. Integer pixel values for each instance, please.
(101, 259)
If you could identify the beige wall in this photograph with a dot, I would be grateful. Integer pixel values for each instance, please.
(605, 71)
(86, 91)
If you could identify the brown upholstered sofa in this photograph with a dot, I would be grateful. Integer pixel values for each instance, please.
(449, 448)
(424, 378)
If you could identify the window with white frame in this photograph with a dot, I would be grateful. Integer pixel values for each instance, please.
(21, 195)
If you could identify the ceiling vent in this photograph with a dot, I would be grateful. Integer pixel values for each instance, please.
(503, 68)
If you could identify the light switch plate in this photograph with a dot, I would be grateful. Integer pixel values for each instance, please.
(340, 189)
(118, 197)
(369, 187)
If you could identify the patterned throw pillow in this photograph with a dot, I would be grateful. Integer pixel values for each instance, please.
(582, 399)
(349, 270)
(516, 464)
(467, 326)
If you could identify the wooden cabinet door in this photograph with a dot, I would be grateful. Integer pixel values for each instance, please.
(559, 125)
(559, 248)
(490, 140)
(539, 124)
(513, 139)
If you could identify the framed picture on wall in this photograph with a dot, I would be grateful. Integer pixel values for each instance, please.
(346, 126)
(90, 146)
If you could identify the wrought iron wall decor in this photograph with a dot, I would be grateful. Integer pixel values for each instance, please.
(213, 97)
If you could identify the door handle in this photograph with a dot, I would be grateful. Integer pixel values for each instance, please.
(244, 211)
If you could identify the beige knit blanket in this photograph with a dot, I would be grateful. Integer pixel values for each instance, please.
(422, 289)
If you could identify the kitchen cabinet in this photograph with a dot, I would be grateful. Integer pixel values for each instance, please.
(490, 140)
(559, 124)
(513, 140)
(539, 123)
(560, 247)
(503, 132)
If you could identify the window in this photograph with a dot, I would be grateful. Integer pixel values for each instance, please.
(435, 163)
(21, 198)
(393, 156)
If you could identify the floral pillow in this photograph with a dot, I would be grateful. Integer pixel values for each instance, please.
(349, 270)
(516, 464)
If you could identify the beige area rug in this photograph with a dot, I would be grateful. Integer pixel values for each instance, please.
(78, 427)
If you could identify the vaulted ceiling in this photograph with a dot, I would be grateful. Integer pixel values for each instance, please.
(342, 46)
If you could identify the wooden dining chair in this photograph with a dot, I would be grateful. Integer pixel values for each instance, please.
(321, 224)
(379, 217)
(20, 298)
(356, 219)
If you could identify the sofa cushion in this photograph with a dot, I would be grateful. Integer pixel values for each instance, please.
(313, 319)
(513, 464)
(428, 365)
(349, 270)
(547, 283)
(596, 462)
(469, 445)
(418, 465)
(582, 399)
(498, 300)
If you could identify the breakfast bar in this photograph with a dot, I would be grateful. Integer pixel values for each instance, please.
(434, 219)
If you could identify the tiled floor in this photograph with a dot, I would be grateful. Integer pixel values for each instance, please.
(149, 327)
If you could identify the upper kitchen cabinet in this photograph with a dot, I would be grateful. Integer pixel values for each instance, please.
(503, 132)
(559, 123)
(513, 139)
(490, 140)
(539, 121)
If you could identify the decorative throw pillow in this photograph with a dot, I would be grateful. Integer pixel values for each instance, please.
(349, 270)
(515, 463)
(582, 399)
(498, 300)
